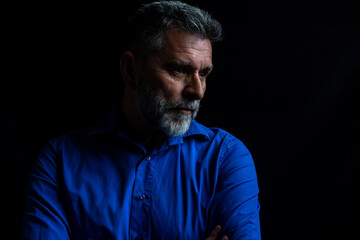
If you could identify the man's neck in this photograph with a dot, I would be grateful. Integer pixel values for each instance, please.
(139, 130)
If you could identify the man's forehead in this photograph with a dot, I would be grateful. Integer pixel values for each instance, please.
(180, 39)
(186, 47)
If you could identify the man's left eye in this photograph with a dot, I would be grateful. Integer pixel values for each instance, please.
(176, 71)
(180, 70)
(203, 73)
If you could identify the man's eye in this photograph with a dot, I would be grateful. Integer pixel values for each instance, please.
(177, 71)
(203, 74)
(180, 70)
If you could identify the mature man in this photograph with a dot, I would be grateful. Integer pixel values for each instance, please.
(150, 171)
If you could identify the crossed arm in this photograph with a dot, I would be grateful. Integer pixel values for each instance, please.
(215, 233)
(235, 206)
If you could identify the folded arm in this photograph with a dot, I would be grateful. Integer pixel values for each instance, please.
(45, 215)
(235, 206)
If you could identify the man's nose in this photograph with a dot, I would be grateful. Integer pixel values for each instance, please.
(195, 87)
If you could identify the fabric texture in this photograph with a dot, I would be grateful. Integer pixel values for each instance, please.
(99, 183)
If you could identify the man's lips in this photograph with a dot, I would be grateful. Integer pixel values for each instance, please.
(184, 110)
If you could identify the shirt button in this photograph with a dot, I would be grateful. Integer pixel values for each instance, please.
(148, 158)
(142, 197)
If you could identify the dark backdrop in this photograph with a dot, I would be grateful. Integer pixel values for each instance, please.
(285, 82)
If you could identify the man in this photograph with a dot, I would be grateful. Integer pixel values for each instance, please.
(150, 171)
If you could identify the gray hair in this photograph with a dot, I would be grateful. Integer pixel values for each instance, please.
(145, 30)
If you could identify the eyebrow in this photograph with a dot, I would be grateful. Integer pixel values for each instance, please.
(185, 65)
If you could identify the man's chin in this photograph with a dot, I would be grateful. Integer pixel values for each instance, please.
(176, 127)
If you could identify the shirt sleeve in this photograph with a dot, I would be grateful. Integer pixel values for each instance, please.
(44, 216)
(235, 205)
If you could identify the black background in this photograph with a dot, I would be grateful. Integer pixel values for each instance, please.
(285, 82)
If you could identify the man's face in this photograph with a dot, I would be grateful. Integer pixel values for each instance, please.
(173, 82)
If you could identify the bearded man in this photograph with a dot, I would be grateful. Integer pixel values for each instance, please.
(150, 171)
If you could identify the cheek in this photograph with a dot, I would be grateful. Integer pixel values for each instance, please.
(168, 87)
(173, 91)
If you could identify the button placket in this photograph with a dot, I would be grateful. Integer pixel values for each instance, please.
(140, 208)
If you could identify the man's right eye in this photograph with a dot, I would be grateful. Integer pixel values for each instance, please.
(177, 71)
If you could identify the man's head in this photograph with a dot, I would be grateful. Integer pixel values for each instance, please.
(168, 59)
(144, 31)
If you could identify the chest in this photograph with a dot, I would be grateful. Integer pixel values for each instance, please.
(125, 194)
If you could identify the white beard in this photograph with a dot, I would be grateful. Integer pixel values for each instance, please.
(159, 111)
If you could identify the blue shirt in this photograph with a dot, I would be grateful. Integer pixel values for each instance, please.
(101, 184)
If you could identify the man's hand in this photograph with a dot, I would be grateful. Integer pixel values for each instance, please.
(215, 233)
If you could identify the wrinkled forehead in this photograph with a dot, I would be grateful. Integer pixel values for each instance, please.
(187, 47)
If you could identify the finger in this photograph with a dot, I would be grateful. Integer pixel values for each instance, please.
(214, 233)
(225, 238)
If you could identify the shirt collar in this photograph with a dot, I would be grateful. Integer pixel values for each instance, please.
(197, 129)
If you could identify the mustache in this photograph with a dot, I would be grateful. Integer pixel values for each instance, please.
(192, 105)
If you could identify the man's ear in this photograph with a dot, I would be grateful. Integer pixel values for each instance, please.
(129, 68)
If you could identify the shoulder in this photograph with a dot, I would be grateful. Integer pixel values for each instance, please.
(231, 153)
(226, 141)
(68, 138)
(211, 133)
